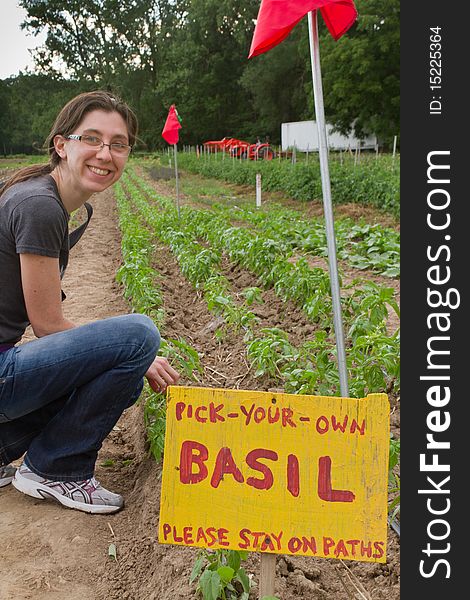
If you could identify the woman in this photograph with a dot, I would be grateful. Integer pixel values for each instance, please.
(61, 394)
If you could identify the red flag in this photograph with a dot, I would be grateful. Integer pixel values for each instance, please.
(172, 124)
(277, 18)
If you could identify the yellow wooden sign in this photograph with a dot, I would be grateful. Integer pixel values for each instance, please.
(279, 473)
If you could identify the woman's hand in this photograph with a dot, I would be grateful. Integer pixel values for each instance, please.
(161, 374)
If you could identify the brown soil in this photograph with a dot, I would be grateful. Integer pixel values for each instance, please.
(49, 552)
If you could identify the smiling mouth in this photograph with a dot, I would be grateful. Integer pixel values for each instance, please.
(99, 171)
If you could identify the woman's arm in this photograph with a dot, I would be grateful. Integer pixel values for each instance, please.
(42, 293)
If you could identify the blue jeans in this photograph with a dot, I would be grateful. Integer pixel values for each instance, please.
(61, 395)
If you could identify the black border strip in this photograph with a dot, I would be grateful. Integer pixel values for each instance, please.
(433, 248)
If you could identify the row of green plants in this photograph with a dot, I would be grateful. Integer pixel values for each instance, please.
(372, 182)
(217, 577)
(373, 356)
(219, 574)
(141, 288)
(362, 245)
(7, 166)
(199, 264)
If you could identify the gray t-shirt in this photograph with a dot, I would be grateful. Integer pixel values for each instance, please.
(33, 220)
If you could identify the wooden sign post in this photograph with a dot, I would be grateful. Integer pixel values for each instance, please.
(277, 474)
(267, 575)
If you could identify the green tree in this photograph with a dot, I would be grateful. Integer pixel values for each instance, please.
(5, 117)
(193, 53)
(202, 65)
(97, 40)
(112, 44)
(29, 105)
(361, 72)
(276, 84)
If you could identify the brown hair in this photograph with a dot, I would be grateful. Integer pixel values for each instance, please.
(69, 118)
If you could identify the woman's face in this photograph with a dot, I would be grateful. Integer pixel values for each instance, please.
(93, 169)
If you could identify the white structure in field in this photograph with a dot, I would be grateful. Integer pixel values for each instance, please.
(303, 135)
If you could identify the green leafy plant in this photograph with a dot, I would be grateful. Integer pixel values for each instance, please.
(220, 575)
(373, 355)
(370, 182)
(185, 356)
(252, 294)
(154, 420)
(269, 352)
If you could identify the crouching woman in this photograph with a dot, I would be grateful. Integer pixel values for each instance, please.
(62, 393)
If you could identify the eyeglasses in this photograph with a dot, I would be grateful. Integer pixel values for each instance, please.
(115, 148)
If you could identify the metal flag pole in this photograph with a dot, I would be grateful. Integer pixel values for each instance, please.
(177, 185)
(327, 205)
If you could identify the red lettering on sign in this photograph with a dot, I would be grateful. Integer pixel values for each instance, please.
(179, 409)
(222, 536)
(337, 425)
(257, 535)
(327, 544)
(246, 542)
(214, 413)
(349, 548)
(273, 418)
(176, 537)
(197, 414)
(322, 424)
(212, 538)
(361, 428)
(209, 536)
(380, 551)
(293, 478)
(278, 538)
(166, 530)
(201, 535)
(309, 544)
(353, 544)
(247, 413)
(262, 540)
(341, 549)
(252, 461)
(267, 543)
(260, 414)
(325, 491)
(366, 549)
(224, 464)
(188, 459)
(287, 414)
(188, 536)
(294, 544)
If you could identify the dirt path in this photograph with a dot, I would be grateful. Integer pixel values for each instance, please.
(47, 551)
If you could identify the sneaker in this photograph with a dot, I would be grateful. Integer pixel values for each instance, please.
(88, 495)
(6, 475)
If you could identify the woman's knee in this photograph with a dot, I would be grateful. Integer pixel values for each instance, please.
(142, 330)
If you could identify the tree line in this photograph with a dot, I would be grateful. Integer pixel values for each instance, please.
(193, 53)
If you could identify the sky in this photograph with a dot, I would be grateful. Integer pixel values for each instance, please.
(15, 42)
